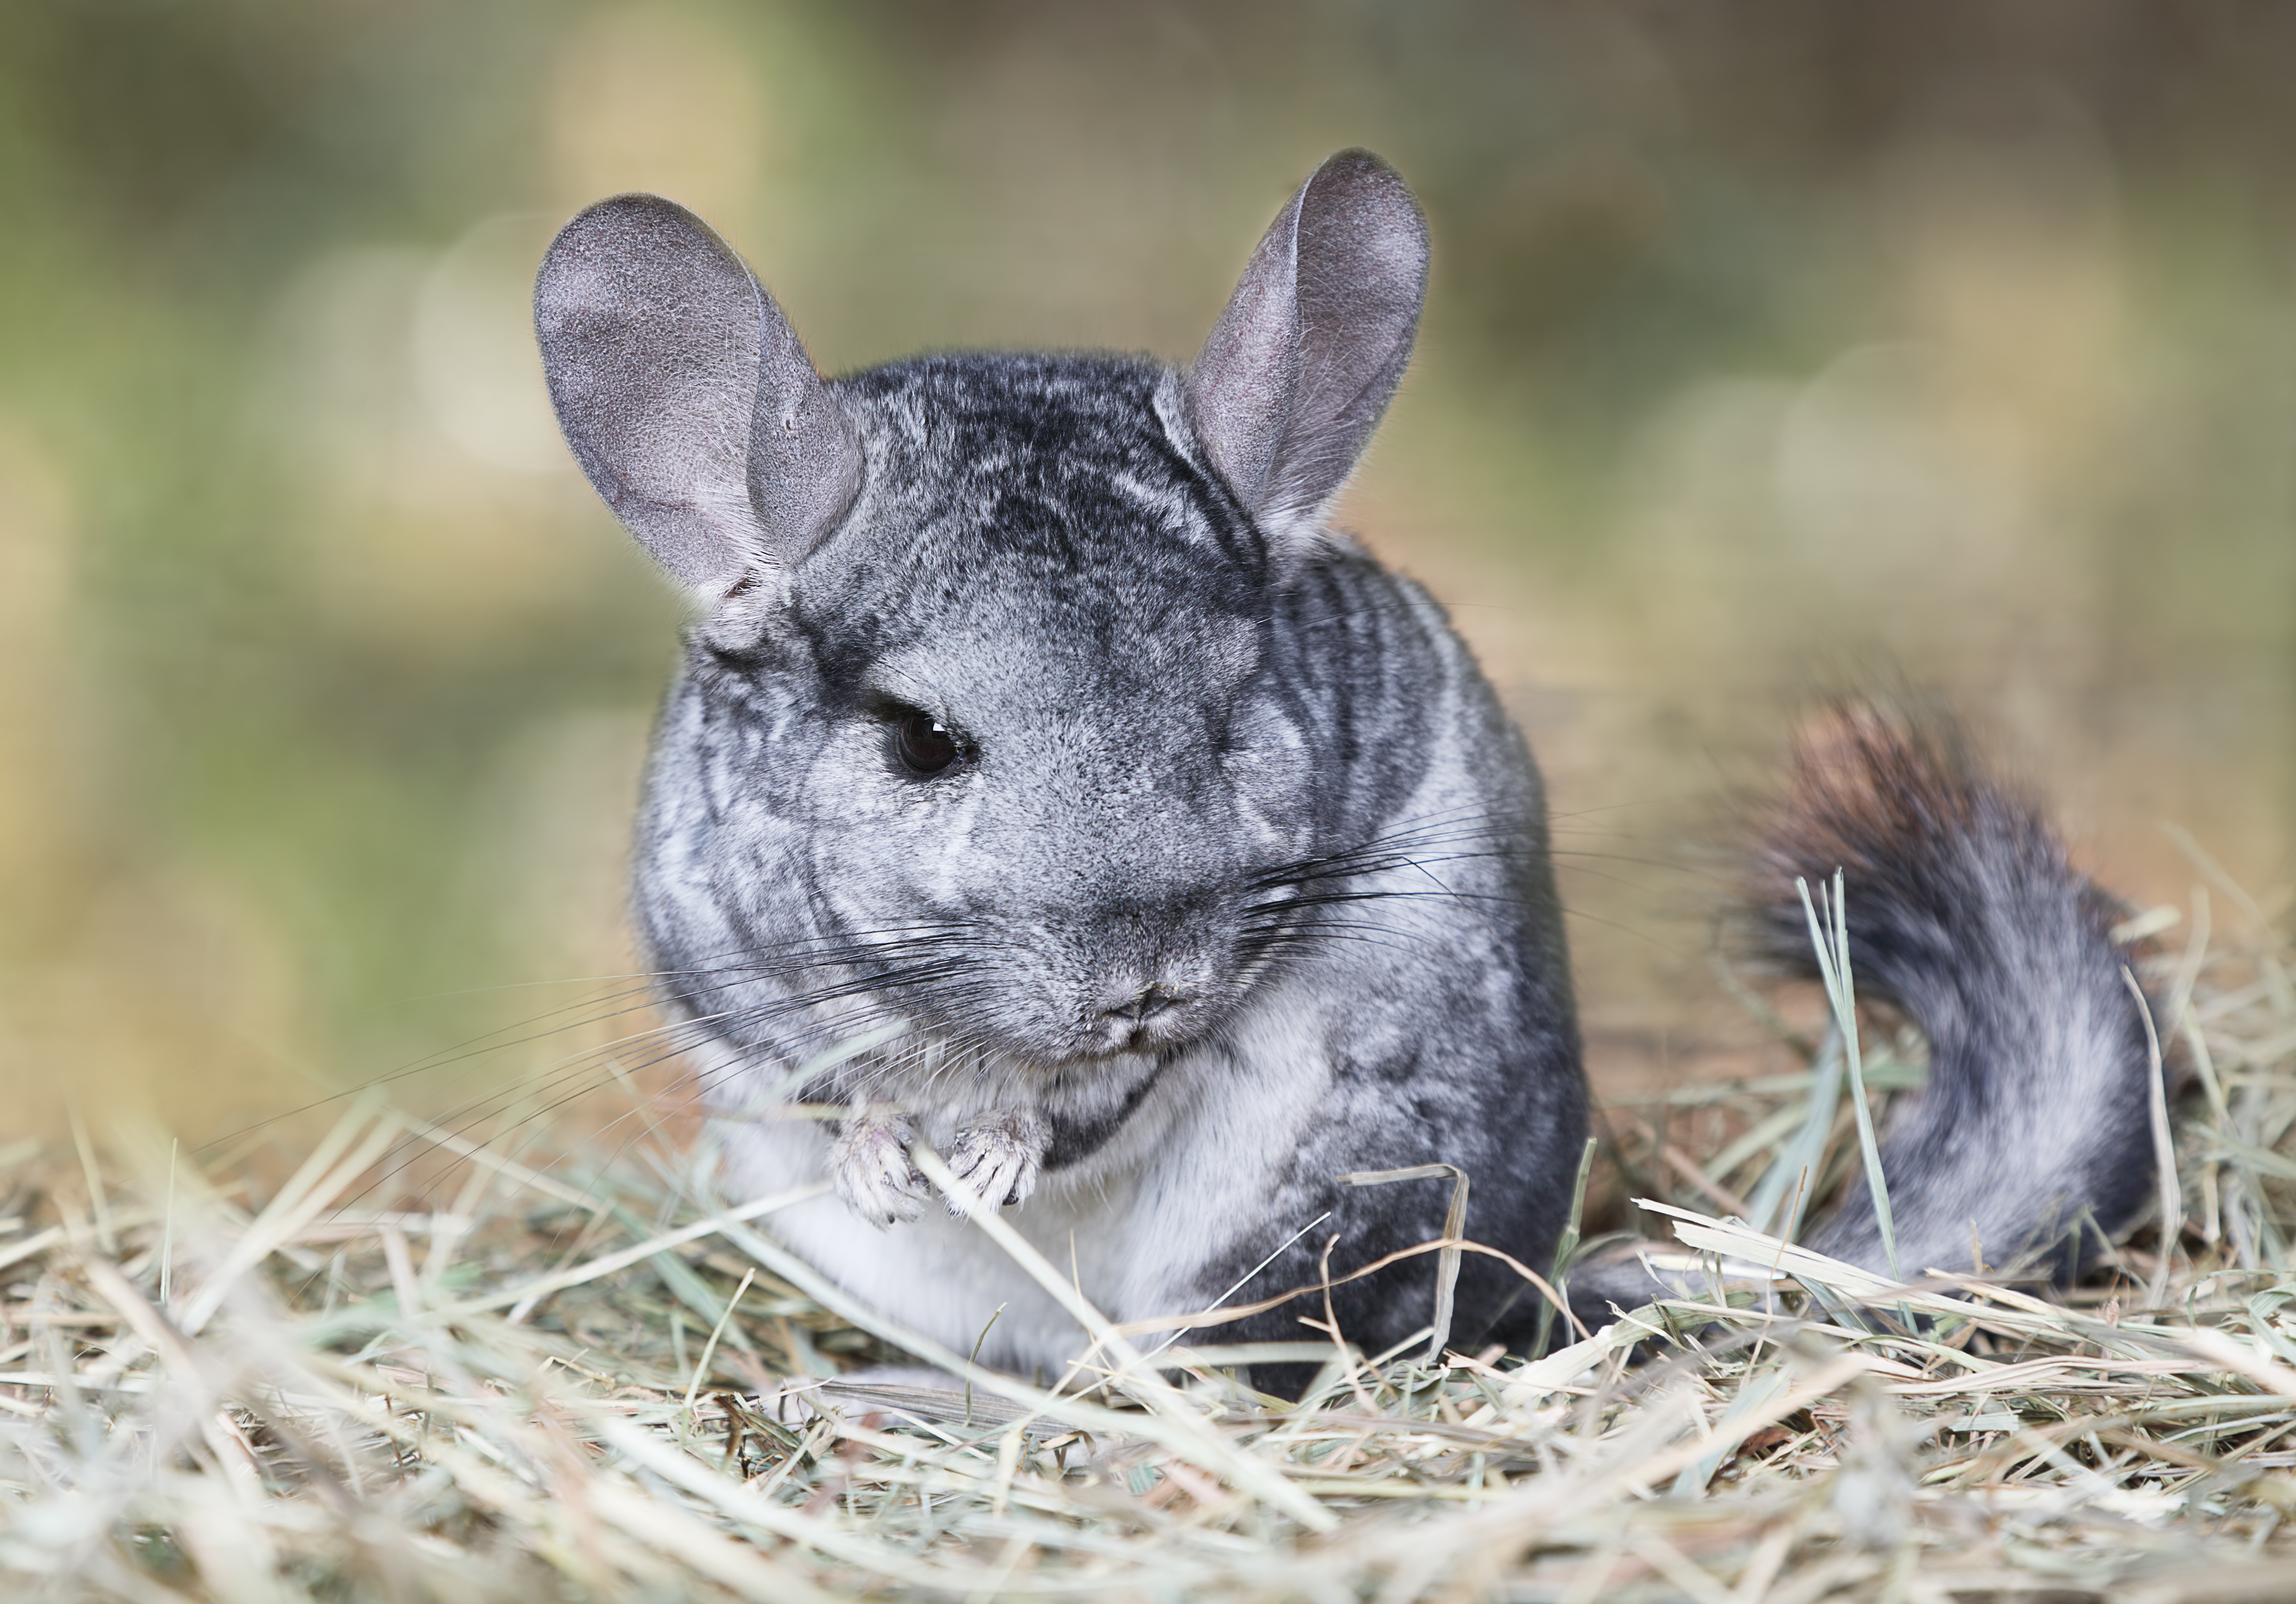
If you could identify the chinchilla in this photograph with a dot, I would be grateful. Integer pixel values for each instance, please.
(1036, 727)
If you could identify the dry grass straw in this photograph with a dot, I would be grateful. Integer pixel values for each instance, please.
(550, 1384)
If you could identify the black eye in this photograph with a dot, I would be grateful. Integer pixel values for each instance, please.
(926, 745)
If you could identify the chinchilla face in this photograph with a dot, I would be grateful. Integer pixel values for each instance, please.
(987, 712)
(1019, 699)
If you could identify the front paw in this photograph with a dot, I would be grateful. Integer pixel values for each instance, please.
(870, 1162)
(997, 1160)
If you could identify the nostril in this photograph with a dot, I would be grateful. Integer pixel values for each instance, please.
(1144, 1004)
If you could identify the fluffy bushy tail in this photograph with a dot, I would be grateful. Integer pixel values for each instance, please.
(2035, 1131)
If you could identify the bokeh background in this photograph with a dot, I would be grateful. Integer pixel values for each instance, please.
(1771, 347)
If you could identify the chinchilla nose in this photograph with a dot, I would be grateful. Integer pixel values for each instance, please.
(1143, 1004)
(1146, 962)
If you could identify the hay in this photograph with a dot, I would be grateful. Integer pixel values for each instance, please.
(547, 1382)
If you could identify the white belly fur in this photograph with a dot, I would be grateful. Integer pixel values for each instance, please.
(1133, 1224)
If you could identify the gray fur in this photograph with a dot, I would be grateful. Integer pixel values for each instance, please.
(1169, 745)
(1238, 880)
(2034, 1134)
(2032, 1142)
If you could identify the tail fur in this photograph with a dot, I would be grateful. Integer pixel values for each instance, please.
(2034, 1134)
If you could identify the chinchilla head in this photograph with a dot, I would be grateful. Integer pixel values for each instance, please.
(987, 710)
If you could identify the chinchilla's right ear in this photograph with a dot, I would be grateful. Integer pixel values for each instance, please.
(686, 395)
(1293, 380)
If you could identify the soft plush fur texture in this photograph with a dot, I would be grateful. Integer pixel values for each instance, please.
(2033, 1133)
(1176, 852)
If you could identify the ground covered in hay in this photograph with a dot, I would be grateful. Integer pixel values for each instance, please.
(531, 1377)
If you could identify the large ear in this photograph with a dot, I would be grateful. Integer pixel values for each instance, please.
(688, 398)
(1285, 393)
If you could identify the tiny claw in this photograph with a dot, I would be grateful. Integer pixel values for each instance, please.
(998, 1160)
(870, 1162)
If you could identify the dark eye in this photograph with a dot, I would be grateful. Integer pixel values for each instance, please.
(926, 745)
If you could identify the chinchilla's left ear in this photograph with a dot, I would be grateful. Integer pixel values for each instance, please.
(686, 397)
(1286, 391)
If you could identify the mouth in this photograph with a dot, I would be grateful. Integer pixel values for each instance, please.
(1137, 1038)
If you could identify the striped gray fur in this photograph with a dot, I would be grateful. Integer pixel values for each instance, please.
(1180, 762)
(1035, 715)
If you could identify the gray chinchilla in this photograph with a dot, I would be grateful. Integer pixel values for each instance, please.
(1176, 852)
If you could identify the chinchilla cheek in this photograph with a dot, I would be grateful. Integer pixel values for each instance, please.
(1269, 775)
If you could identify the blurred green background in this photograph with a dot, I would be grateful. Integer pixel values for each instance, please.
(1769, 347)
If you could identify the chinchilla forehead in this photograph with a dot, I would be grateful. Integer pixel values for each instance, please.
(1032, 518)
